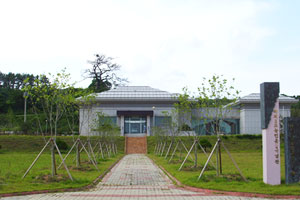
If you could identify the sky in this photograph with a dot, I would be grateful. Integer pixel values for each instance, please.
(166, 44)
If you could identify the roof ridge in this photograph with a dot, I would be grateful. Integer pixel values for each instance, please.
(136, 92)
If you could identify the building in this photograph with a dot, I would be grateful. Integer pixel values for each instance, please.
(249, 109)
(136, 109)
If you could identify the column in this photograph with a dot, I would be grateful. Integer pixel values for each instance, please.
(148, 125)
(122, 125)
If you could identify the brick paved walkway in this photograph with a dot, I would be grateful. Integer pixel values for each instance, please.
(134, 177)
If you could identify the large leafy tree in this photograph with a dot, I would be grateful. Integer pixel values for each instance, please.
(295, 109)
(15, 81)
(104, 73)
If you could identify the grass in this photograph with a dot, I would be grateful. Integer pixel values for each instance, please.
(15, 159)
(248, 155)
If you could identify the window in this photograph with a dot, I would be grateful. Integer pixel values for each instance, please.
(163, 122)
(107, 120)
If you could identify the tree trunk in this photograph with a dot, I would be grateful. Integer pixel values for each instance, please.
(180, 152)
(77, 154)
(217, 158)
(196, 156)
(220, 159)
(53, 162)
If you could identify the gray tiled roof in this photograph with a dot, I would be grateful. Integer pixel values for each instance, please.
(143, 93)
(255, 98)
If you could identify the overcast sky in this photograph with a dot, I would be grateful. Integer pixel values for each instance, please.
(162, 44)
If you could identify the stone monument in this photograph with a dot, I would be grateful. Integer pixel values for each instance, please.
(292, 149)
(269, 106)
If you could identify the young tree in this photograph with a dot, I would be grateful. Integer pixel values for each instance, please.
(185, 107)
(50, 97)
(77, 109)
(216, 97)
(104, 73)
(108, 132)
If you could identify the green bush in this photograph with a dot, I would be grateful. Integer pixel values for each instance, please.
(205, 144)
(185, 127)
(62, 145)
(26, 127)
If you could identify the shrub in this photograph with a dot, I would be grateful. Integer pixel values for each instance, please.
(185, 127)
(62, 145)
(205, 144)
(225, 137)
(26, 127)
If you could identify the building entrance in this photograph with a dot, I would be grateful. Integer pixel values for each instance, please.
(135, 125)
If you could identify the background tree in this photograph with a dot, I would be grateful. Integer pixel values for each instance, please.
(295, 108)
(15, 81)
(11, 96)
(104, 73)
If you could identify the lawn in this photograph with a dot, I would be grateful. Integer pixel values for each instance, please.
(15, 159)
(248, 155)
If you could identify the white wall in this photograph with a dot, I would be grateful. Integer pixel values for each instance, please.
(88, 116)
(250, 122)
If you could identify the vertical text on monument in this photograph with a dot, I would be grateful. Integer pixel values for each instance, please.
(269, 105)
(292, 150)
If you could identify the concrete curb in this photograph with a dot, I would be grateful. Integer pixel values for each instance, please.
(87, 187)
(210, 192)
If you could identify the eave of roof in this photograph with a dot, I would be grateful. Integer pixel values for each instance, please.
(255, 98)
(138, 99)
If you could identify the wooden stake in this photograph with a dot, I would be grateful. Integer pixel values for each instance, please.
(186, 149)
(211, 153)
(100, 147)
(171, 144)
(89, 156)
(70, 176)
(235, 164)
(163, 149)
(187, 155)
(107, 150)
(92, 152)
(68, 153)
(207, 155)
(174, 151)
(38, 156)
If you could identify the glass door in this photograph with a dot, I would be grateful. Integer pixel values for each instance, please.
(135, 125)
